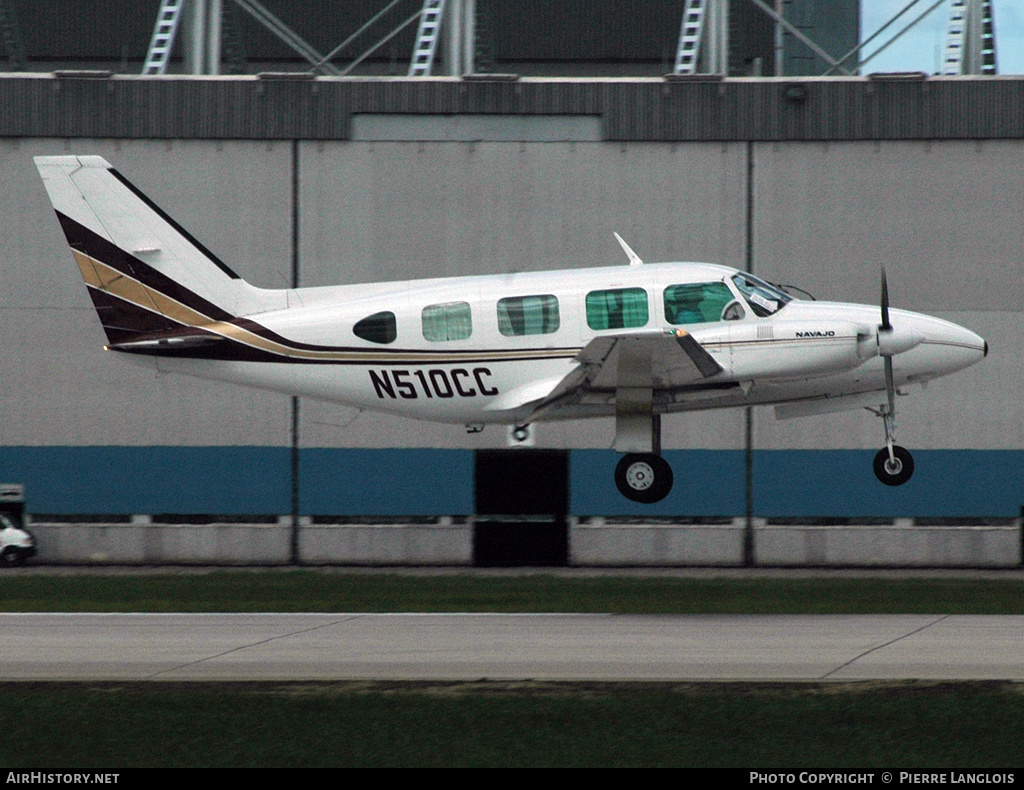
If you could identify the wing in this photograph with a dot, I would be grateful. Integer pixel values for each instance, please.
(643, 361)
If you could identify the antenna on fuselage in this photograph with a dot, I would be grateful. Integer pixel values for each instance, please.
(634, 259)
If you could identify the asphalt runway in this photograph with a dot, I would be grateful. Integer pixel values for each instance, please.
(278, 647)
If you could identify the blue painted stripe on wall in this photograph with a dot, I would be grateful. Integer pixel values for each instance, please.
(411, 482)
(150, 479)
(434, 481)
(842, 483)
(229, 480)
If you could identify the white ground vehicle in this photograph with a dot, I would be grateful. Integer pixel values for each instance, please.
(16, 544)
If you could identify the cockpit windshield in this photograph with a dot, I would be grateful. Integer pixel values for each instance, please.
(764, 299)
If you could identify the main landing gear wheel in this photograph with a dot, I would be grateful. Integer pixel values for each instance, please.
(643, 477)
(894, 473)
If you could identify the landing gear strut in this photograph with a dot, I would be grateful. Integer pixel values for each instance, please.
(894, 465)
(643, 477)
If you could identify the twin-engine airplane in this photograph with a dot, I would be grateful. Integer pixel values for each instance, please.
(633, 342)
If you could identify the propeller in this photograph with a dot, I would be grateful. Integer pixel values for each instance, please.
(894, 340)
(885, 326)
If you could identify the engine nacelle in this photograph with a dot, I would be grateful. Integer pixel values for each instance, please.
(780, 350)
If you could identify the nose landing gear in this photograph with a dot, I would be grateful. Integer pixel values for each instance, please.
(893, 464)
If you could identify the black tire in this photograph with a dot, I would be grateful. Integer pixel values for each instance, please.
(12, 558)
(904, 462)
(643, 477)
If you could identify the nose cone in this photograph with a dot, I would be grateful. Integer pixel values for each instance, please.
(962, 346)
(948, 346)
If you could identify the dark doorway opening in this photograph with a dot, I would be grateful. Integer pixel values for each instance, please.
(522, 500)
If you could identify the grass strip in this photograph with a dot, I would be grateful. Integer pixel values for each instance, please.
(103, 727)
(319, 591)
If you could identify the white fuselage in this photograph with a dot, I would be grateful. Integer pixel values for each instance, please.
(491, 373)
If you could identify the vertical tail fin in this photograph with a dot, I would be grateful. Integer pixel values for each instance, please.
(145, 272)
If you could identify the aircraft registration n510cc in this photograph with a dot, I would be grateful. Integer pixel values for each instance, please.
(634, 342)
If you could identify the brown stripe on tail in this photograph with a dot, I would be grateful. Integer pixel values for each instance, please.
(81, 239)
(125, 321)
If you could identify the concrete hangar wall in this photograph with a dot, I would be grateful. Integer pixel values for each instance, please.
(392, 178)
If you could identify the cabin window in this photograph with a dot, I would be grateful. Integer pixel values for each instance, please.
(696, 303)
(377, 328)
(528, 315)
(622, 308)
(448, 321)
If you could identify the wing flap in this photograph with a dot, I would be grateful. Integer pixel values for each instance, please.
(702, 360)
(654, 361)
